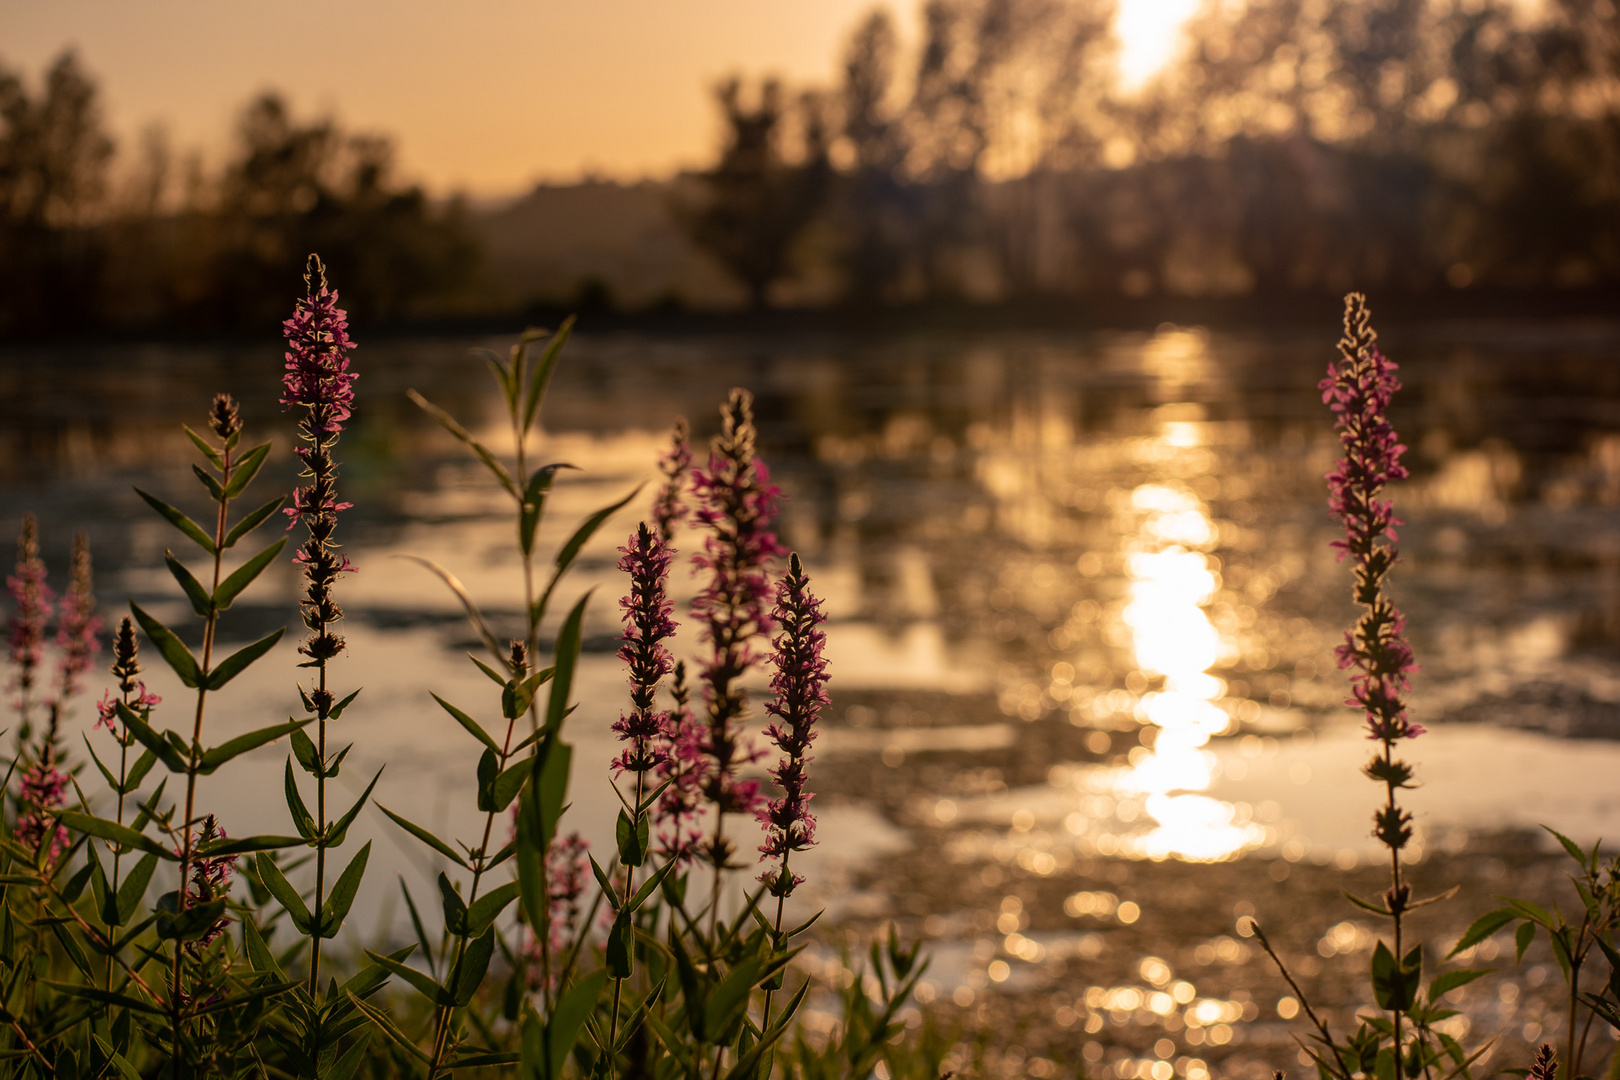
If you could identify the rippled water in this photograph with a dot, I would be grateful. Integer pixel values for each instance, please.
(1082, 611)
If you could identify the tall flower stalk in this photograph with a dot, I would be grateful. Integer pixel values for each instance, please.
(319, 381)
(78, 627)
(647, 625)
(1358, 388)
(675, 465)
(31, 609)
(799, 686)
(737, 505)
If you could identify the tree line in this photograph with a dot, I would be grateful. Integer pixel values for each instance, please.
(1295, 147)
(171, 243)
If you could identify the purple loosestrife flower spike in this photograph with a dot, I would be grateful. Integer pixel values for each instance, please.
(43, 788)
(681, 743)
(800, 689)
(78, 625)
(210, 880)
(737, 504)
(669, 509)
(318, 379)
(126, 666)
(647, 624)
(1545, 1066)
(31, 599)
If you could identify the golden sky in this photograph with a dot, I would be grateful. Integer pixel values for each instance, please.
(483, 96)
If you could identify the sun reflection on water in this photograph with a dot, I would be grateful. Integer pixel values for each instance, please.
(1170, 580)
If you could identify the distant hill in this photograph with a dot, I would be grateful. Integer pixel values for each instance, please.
(600, 240)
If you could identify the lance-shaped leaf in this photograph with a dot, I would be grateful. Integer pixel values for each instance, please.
(188, 584)
(487, 908)
(389, 1028)
(426, 837)
(1451, 980)
(338, 831)
(114, 1058)
(542, 372)
(567, 1018)
(243, 576)
(419, 979)
(202, 444)
(253, 521)
(305, 751)
(455, 908)
(509, 783)
(1482, 928)
(570, 551)
(566, 657)
(285, 894)
(620, 952)
(454, 584)
(450, 424)
(247, 845)
(234, 664)
(111, 830)
(243, 471)
(173, 649)
(216, 756)
(180, 521)
(472, 726)
(137, 772)
(723, 1012)
(258, 951)
(1395, 986)
(749, 1061)
(215, 490)
(337, 710)
(303, 820)
(337, 906)
(488, 769)
(106, 997)
(474, 964)
(190, 924)
(132, 890)
(633, 839)
(534, 501)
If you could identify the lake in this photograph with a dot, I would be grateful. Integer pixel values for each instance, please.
(1082, 607)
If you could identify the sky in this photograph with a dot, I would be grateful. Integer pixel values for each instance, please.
(485, 97)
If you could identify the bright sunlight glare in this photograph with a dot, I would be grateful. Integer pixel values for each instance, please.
(1149, 32)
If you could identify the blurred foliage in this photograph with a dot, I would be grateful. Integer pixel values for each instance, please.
(175, 246)
(1294, 147)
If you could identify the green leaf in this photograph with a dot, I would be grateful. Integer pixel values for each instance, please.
(247, 845)
(243, 472)
(633, 839)
(191, 924)
(1522, 937)
(118, 834)
(337, 710)
(71, 946)
(253, 521)
(542, 372)
(337, 906)
(155, 743)
(1482, 928)
(533, 502)
(454, 584)
(723, 1012)
(137, 772)
(482, 1059)
(450, 424)
(215, 491)
(568, 1017)
(180, 521)
(216, 756)
(488, 769)
(416, 924)
(234, 664)
(566, 656)
(106, 997)
(389, 1028)
(304, 751)
(202, 444)
(243, 576)
(473, 966)
(1451, 980)
(748, 1061)
(132, 890)
(621, 939)
(114, 1058)
(455, 908)
(189, 584)
(172, 648)
(487, 908)
(509, 783)
(339, 831)
(303, 820)
(1394, 985)
(285, 894)
(570, 551)
(470, 724)
(426, 837)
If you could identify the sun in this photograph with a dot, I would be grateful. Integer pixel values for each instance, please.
(1149, 33)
